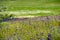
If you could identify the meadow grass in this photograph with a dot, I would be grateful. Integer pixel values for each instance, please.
(46, 26)
(30, 29)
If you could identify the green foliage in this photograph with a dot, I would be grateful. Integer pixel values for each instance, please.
(5, 16)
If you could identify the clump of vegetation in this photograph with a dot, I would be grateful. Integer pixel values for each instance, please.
(3, 8)
(5, 17)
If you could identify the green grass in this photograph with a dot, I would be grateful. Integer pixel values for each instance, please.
(31, 5)
(17, 5)
(27, 29)
(30, 29)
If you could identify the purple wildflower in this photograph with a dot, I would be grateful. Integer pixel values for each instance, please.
(42, 19)
(49, 37)
(48, 17)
